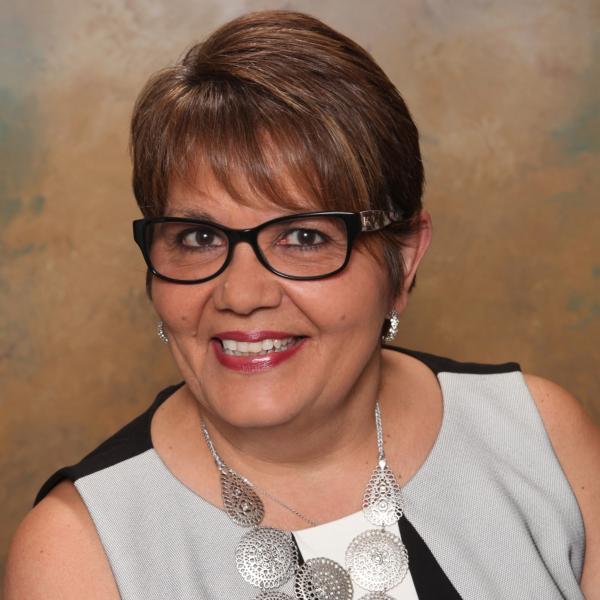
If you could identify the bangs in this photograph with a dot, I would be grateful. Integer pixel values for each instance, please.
(257, 148)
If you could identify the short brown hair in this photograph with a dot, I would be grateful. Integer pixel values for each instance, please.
(273, 92)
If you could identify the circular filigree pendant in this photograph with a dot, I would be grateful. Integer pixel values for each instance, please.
(382, 502)
(273, 595)
(266, 557)
(376, 596)
(241, 502)
(323, 579)
(377, 560)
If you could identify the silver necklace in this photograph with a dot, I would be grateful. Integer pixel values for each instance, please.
(266, 557)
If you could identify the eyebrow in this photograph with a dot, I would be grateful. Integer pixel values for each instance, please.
(193, 213)
(200, 215)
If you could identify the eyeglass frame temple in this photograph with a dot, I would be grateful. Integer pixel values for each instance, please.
(375, 220)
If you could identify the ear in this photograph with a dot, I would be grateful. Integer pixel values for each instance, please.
(413, 250)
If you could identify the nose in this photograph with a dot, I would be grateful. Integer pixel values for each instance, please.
(246, 285)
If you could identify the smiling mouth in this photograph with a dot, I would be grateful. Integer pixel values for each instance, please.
(258, 348)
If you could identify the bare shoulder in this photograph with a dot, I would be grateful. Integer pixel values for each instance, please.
(56, 553)
(576, 441)
(575, 437)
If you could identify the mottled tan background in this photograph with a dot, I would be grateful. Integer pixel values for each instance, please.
(506, 94)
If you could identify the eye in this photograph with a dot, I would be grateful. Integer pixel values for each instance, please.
(202, 238)
(303, 237)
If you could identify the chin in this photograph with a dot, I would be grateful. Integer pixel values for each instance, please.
(255, 414)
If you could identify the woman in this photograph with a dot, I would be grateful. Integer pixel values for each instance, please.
(279, 174)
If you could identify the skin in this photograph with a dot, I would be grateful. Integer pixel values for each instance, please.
(328, 412)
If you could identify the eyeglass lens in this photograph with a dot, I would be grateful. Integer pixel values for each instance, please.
(303, 247)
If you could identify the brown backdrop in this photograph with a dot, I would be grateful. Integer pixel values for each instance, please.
(506, 94)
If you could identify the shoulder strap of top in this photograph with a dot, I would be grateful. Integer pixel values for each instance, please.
(439, 364)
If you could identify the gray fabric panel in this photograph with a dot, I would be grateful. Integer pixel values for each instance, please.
(159, 536)
(491, 501)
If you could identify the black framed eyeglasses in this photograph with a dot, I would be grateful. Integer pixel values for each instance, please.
(304, 246)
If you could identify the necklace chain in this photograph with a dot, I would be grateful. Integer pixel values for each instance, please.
(379, 430)
(281, 503)
(220, 464)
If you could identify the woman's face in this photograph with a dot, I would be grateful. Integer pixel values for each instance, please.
(331, 327)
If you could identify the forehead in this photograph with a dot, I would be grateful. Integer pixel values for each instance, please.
(202, 194)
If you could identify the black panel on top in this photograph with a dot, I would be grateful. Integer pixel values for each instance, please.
(430, 580)
(439, 364)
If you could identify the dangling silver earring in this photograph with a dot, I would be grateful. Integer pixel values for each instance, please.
(394, 320)
(160, 331)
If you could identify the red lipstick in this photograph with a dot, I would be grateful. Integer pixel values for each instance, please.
(250, 363)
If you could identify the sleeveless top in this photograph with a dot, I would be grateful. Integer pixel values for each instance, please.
(489, 514)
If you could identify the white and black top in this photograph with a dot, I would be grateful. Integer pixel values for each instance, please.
(489, 515)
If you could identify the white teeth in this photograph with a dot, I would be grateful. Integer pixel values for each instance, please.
(263, 347)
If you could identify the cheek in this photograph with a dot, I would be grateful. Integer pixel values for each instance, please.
(179, 306)
(354, 301)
